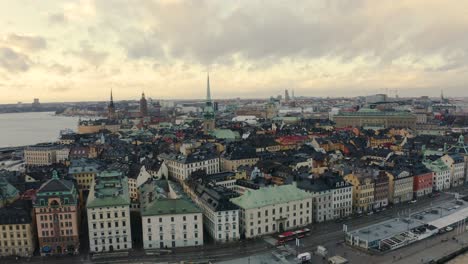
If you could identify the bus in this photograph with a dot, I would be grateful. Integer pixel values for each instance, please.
(291, 235)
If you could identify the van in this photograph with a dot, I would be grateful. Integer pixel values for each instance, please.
(304, 257)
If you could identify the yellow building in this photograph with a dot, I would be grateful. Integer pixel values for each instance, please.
(17, 233)
(363, 192)
(84, 172)
(231, 160)
(94, 126)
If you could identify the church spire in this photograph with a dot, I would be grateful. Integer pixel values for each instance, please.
(111, 103)
(208, 91)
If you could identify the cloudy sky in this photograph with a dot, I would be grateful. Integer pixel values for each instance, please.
(68, 50)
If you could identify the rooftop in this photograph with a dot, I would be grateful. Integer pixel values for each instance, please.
(269, 196)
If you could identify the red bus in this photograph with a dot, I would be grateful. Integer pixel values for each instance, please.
(291, 235)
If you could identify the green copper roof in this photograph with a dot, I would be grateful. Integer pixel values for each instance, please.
(110, 189)
(436, 166)
(7, 191)
(170, 206)
(270, 196)
(225, 134)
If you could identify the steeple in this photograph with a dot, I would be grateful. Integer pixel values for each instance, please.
(111, 103)
(441, 94)
(208, 91)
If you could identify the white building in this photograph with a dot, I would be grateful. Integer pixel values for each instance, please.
(441, 178)
(108, 209)
(181, 166)
(273, 209)
(45, 154)
(456, 163)
(171, 223)
(220, 216)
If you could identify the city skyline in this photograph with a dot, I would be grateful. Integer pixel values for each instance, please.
(62, 51)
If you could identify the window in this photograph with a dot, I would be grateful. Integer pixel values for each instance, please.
(172, 219)
(149, 220)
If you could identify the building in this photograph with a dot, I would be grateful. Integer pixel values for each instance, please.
(108, 208)
(273, 209)
(169, 220)
(45, 154)
(363, 191)
(209, 122)
(322, 198)
(381, 189)
(422, 182)
(401, 185)
(238, 156)
(84, 172)
(180, 166)
(57, 217)
(375, 118)
(441, 174)
(111, 115)
(143, 106)
(220, 216)
(17, 230)
(95, 126)
(8, 193)
(456, 163)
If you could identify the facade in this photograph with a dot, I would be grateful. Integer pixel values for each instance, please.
(331, 197)
(108, 209)
(95, 126)
(170, 223)
(84, 172)
(363, 192)
(273, 209)
(456, 163)
(239, 156)
(57, 217)
(401, 185)
(375, 118)
(381, 190)
(220, 216)
(441, 174)
(17, 230)
(423, 183)
(45, 154)
(181, 166)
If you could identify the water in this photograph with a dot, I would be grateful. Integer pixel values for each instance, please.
(21, 129)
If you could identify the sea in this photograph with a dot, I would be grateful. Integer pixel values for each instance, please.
(21, 129)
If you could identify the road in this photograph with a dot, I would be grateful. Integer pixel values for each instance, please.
(323, 233)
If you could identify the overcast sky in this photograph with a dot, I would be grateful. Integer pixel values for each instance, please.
(68, 50)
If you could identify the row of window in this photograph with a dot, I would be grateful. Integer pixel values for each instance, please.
(10, 227)
(15, 243)
(108, 215)
(109, 224)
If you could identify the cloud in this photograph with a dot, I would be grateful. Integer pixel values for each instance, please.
(57, 19)
(13, 61)
(26, 43)
(87, 53)
(60, 69)
(59, 88)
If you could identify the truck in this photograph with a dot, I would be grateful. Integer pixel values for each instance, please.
(304, 257)
(321, 251)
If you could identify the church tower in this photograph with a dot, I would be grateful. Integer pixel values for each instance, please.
(111, 108)
(143, 106)
(208, 110)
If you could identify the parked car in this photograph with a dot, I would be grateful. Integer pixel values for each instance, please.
(413, 201)
(448, 228)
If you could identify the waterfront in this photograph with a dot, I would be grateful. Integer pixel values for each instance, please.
(19, 129)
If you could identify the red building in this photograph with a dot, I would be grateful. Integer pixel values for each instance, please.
(422, 183)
